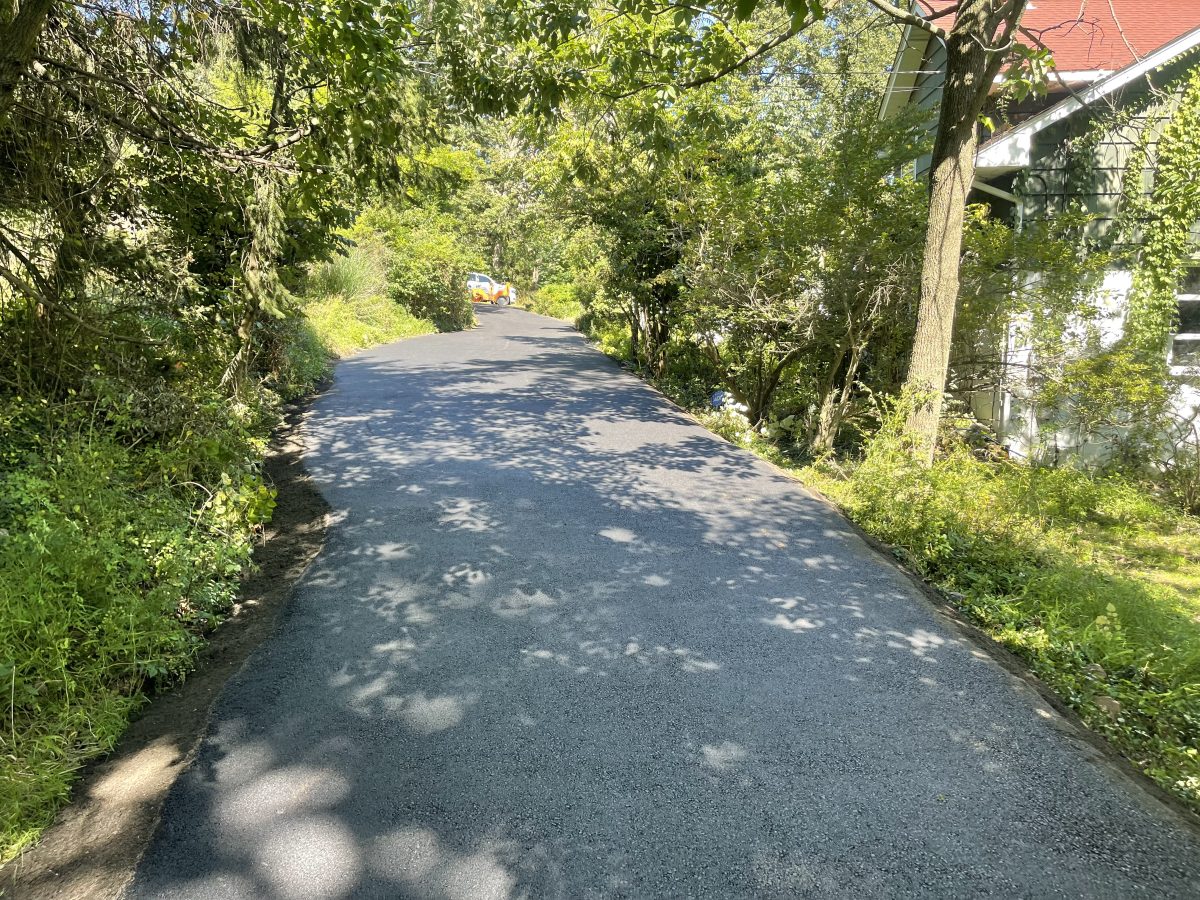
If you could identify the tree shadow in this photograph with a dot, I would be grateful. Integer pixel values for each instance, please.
(562, 642)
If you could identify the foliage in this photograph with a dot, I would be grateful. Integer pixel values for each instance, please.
(559, 301)
(1092, 581)
(346, 305)
(751, 233)
(115, 559)
(1166, 218)
(1118, 395)
(790, 276)
(427, 263)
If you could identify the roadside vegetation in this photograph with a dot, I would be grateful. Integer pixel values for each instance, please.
(1090, 577)
(557, 301)
(188, 238)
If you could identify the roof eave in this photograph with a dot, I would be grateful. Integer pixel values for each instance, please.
(1013, 149)
(903, 78)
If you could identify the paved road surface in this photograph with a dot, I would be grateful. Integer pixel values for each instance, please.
(564, 643)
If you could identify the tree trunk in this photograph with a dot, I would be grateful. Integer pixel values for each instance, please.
(971, 68)
(19, 35)
(833, 409)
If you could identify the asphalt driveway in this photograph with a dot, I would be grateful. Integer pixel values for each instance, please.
(564, 643)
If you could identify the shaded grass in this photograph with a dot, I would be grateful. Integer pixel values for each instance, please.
(1091, 580)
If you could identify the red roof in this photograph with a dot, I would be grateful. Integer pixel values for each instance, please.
(1086, 35)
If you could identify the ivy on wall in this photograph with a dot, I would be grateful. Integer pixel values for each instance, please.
(1166, 215)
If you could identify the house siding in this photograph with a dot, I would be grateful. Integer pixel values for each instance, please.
(1051, 185)
(927, 94)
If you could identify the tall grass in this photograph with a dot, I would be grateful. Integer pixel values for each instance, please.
(348, 307)
(558, 301)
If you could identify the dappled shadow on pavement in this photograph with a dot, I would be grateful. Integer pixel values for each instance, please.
(562, 642)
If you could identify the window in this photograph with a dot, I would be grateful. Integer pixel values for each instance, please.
(1189, 317)
(1185, 347)
(1189, 285)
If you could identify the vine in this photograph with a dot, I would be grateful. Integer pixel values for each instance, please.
(1167, 215)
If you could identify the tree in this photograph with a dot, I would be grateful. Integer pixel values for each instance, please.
(163, 168)
(978, 43)
(801, 259)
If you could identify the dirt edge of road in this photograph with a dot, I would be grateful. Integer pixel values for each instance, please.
(94, 845)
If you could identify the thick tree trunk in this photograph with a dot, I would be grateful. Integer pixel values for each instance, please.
(975, 50)
(20, 29)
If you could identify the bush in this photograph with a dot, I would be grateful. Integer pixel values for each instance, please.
(114, 561)
(427, 265)
(346, 324)
(1087, 577)
(346, 305)
(558, 301)
(292, 359)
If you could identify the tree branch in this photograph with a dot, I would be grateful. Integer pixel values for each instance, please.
(911, 18)
(754, 54)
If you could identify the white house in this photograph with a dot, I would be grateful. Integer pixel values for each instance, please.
(1109, 56)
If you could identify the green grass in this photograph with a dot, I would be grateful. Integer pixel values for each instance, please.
(346, 324)
(1094, 583)
(1091, 580)
(114, 560)
(558, 301)
(347, 307)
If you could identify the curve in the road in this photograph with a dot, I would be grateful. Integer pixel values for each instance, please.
(565, 643)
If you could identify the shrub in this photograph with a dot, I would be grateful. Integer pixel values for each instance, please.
(346, 305)
(1085, 576)
(346, 324)
(558, 301)
(114, 560)
(427, 264)
(293, 359)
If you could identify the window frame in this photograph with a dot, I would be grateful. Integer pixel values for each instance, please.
(1188, 337)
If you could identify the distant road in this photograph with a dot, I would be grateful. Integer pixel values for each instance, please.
(565, 643)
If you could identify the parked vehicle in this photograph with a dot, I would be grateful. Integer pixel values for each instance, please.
(485, 289)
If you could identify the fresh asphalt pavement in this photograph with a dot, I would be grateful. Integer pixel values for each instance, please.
(563, 642)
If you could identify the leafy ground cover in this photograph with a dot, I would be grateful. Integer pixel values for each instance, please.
(116, 557)
(558, 301)
(1091, 580)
